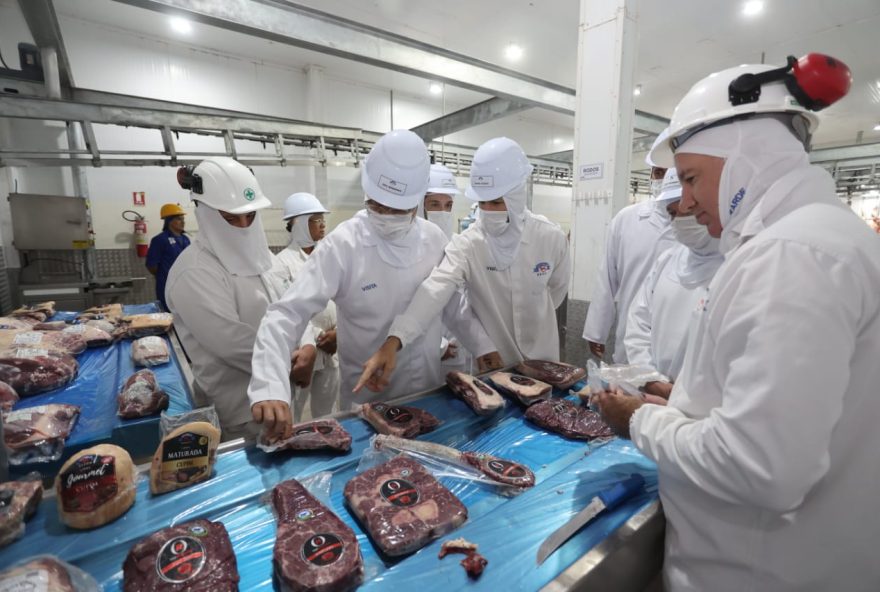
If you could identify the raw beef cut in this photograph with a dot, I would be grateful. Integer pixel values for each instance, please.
(402, 506)
(568, 419)
(53, 341)
(141, 396)
(51, 326)
(397, 420)
(321, 434)
(103, 325)
(93, 336)
(194, 556)
(521, 388)
(16, 324)
(473, 563)
(30, 372)
(314, 550)
(558, 374)
(110, 312)
(37, 434)
(8, 397)
(18, 502)
(46, 573)
(37, 312)
(150, 351)
(144, 325)
(478, 395)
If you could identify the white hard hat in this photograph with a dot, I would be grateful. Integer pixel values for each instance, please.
(499, 166)
(442, 181)
(395, 172)
(223, 184)
(302, 203)
(711, 100)
(664, 135)
(670, 190)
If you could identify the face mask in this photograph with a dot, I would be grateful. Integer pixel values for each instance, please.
(656, 184)
(494, 223)
(390, 227)
(443, 220)
(692, 234)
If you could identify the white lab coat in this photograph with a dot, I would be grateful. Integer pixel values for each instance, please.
(660, 314)
(216, 315)
(323, 392)
(517, 306)
(637, 235)
(369, 293)
(767, 451)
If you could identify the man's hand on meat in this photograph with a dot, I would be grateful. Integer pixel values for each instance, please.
(275, 415)
(617, 409)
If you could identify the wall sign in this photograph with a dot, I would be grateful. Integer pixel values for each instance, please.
(139, 198)
(588, 172)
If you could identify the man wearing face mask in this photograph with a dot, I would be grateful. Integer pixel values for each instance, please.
(219, 287)
(370, 266)
(304, 215)
(514, 265)
(660, 314)
(767, 450)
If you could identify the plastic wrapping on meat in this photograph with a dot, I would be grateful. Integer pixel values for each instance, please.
(320, 434)
(523, 389)
(18, 502)
(558, 374)
(46, 573)
(141, 396)
(402, 506)
(568, 419)
(93, 336)
(398, 420)
(8, 397)
(51, 326)
(102, 324)
(150, 351)
(109, 312)
(144, 325)
(17, 324)
(478, 395)
(53, 341)
(37, 434)
(30, 371)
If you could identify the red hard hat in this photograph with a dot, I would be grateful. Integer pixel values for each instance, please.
(823, 79)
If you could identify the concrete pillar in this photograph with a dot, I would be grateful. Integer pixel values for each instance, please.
(607, 45)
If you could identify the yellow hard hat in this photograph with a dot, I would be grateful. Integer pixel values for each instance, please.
(169, 210)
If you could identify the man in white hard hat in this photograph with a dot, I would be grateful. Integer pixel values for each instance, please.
(370, 266)
(513, 264)
(660, 314)
(304, 215)
(219, 288)
(637, 234)
(767, 450)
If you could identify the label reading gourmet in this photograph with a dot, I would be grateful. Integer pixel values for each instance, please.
(89, 483)
(184, 457)
(399, 492)
(322, 549)
(180, 559)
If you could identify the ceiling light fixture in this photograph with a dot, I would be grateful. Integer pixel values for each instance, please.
(637, 91)
(753, 7)
(877, 128)
(436, 88)
(513, 52)
(557, 141)
(181, 25)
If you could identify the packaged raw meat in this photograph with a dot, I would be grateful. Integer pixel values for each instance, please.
(95, 486)
(315, 551)
(53, 341)
(51, 326)
(18, 502)
(8, 397)
(321, 434)
(16, 324)
(150, 351)
(194, 556)
(102, 324)
(110, 312)
(141, 396)
(30, 371)
(478, 395)
(38, 312)
(397, 420)
(568, 419)
(93, 336)
(402, 506)
(523, 389)
(46, 573)
(559, 374)
(37, 434)
(144, 325)
(185, 457)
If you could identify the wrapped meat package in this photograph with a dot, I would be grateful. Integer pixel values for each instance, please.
(478, 395)
(568, 419)
(109, 312)
(53, 341)
(37, 434)
(30, 372)
(95, 486)
(141, 396)
(8, 397)
(93, 336)
(17, 324)
(559, 374)
(150, 351)
(46, 573)
(18, 502)
(397, 420)
(320, 434)
(521, 388)
(144, 325)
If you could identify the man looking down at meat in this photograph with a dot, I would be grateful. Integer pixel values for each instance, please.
(513, 264)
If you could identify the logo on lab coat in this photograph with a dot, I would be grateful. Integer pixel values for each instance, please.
(369, 287)
(542, 268)
(392, 186)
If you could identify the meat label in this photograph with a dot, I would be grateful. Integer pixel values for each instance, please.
(507, 469)
(184, 458)
(30, 352)
(399, 492)
(322, 549)
(180, 559)
(321, 429)
(89, 483)
(36, 580)
(395, 414)
(516, 379)
(29, 338)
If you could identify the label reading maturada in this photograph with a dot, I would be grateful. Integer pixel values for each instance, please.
(185, 458)
(89, 483)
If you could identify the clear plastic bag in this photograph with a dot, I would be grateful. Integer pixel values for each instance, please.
(141, 396)
(188, 450)
(46, 572)
(627, 377)
(320, 434)
(150, 351)
(18, 502)
(169, 423)
(144, 325)
(31, 371)
(37, 434)
(398, 420)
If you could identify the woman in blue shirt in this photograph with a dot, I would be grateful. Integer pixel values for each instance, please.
(166, 246)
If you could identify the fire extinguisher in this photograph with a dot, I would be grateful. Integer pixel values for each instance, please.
(141, 244)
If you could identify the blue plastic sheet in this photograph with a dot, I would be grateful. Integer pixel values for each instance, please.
(508, 529)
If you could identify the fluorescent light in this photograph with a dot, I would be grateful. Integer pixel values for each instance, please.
(181, 25)
(753, 7)
(557, 140)
(513, 52)
(435, 88)
(877, 128)
(637, 91)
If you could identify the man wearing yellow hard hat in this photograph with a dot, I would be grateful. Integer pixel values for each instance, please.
(166, 246)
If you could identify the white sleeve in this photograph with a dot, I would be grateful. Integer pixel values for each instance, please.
(639, 325)
(600, 314)
(287, 320)
(561, 274)
(782, 333)
(459, 318)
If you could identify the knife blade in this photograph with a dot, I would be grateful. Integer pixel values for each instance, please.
(605, 500)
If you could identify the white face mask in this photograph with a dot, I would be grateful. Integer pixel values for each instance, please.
(441, 219)
(692, 234)
(494, 223)
(656, 185)
(390, 227)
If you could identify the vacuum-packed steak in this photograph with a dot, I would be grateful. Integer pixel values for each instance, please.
(558, 374)
(53, 341)
(397, 420)
(51, 326)
(521, 388)
(37, 434)
(144, 325)
(16, 323)
(150, 351)
(18, 502)
(93, 336)
(402, 506)
(31, 372)
(478, 395)
(321, 434)
(8, 397)
(194, 556)
(43, 573)
(141, 396)
(568, 419)
(314, 550)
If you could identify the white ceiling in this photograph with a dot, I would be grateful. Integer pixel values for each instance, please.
(680, 41)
